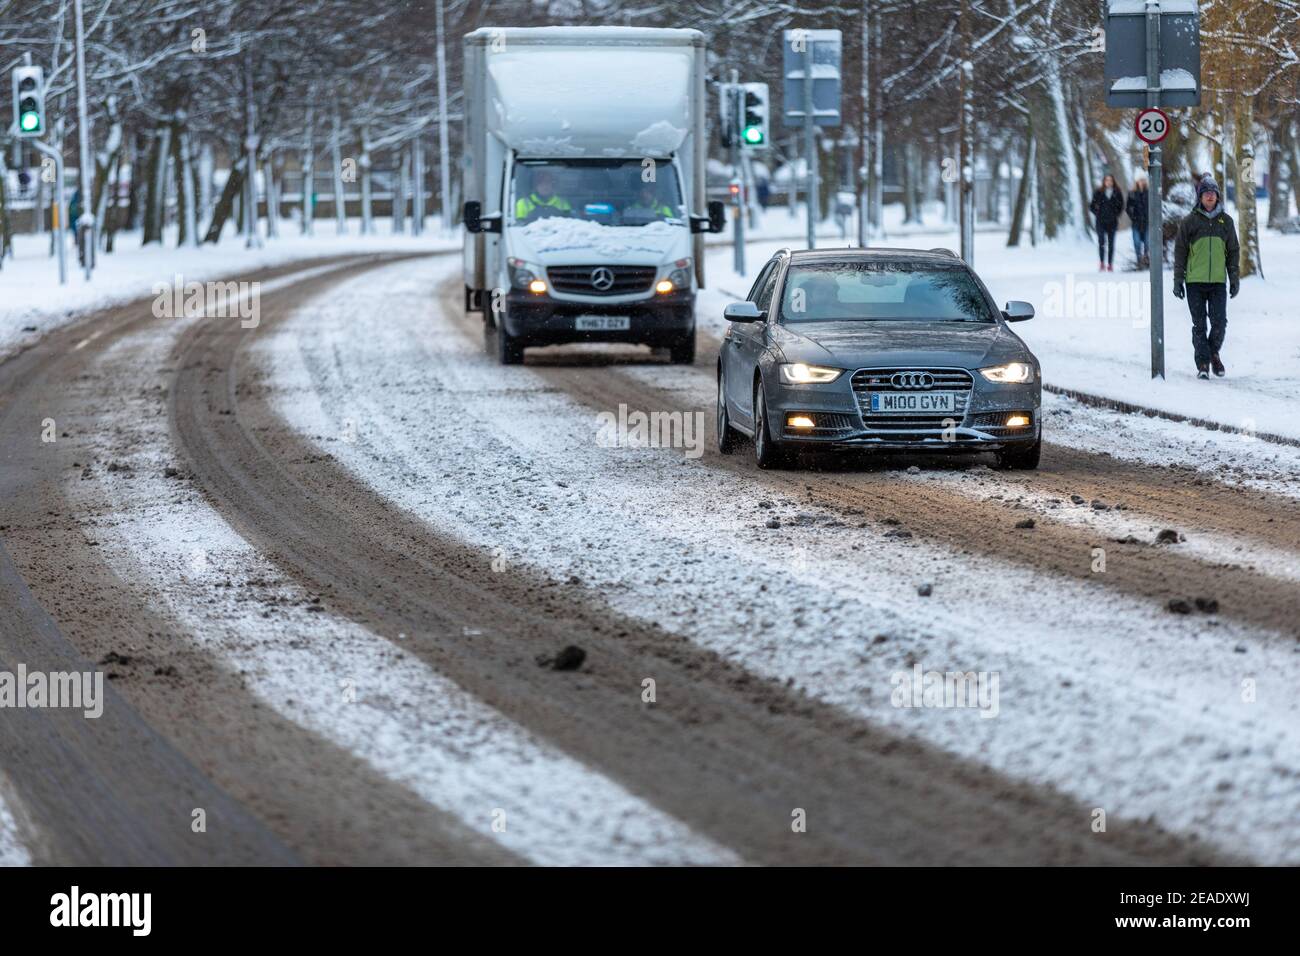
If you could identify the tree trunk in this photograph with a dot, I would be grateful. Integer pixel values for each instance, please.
(363, 162)
(1058, 166)
(1279, 195)
(234, 186)
(155, 212)
(308, 165)
(1244, 167)
(272, 196)
(340, 198)
(1022, 193)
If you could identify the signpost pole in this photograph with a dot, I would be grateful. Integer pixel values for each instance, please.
(60, 238)
(1155, 219)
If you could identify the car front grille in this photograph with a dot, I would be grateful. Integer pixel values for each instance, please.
(583, 280)
(868, 380)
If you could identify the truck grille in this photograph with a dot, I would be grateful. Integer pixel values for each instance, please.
(868, 380)
(601, 280)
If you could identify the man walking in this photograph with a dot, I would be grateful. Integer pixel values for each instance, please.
(1205, 254)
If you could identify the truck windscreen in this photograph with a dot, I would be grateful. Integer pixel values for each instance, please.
(618, 192)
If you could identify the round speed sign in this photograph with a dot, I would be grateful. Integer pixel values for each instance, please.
(1152, 125)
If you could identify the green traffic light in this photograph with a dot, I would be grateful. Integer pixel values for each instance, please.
(753, 134)
(29, 122)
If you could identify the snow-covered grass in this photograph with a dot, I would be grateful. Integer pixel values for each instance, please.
(32, 303)
(1104, 696)
(1092, 333)
(12, 850)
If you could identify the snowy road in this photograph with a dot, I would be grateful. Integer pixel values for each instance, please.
(323, 558)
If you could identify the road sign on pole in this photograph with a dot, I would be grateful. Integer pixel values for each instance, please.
(811, 90)
(1153, 59)
(1151, 126)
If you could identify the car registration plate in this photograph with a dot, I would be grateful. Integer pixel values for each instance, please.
(902, 403)
(602, 323)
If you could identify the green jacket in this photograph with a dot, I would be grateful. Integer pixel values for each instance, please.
(525, 205)
(1206, 249)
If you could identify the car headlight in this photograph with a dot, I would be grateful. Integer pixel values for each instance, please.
(523, 275)
(1012, 372)
(797, 373)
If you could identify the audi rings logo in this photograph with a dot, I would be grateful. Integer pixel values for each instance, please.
(912, 380)
(602, 279)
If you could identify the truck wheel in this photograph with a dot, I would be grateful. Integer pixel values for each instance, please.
(682, 349)
(510, 350)
(1020, 459)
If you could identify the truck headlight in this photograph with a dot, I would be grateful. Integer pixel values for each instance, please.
(1012, 372)
(797, 373)
(680, 277)
(526, 276)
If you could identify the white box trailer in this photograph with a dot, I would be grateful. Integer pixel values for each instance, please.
(584, 185)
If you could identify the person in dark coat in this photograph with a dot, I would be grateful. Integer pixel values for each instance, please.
(1107, 204)
(1206, 254)
(1137, 208)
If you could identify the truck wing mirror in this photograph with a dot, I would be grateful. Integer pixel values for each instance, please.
(475, 221)
(715, 221)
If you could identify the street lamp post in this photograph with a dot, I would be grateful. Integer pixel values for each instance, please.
(85, 224)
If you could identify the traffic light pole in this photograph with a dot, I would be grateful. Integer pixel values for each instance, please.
(737, 126)
(60, 239)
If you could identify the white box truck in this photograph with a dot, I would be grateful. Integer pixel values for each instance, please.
(583, 177)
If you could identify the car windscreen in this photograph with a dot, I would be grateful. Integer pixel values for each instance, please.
(882, 291)
(617, 192)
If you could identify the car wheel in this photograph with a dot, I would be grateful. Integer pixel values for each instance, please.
(1020, 459)
(767, 450)
(682, 350)
(728, 438)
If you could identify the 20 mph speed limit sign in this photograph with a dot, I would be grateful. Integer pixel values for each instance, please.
(1152, 126)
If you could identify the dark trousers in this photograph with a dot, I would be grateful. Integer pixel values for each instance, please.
(1105, 238)
(1208, 302)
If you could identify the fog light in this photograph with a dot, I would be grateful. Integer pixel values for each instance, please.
(664, 286)
(537, 285)
(1017, 421)
(799, 421)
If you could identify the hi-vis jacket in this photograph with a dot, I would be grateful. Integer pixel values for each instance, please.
(525, 205)
(1206, 249)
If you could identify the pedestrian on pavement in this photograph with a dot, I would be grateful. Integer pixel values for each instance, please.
(1205, 254)
(1137, 220)
(1107, 204)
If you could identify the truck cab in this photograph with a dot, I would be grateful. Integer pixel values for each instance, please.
(583, 186)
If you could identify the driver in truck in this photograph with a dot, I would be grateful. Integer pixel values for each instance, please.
(542, 201)
(646, 206)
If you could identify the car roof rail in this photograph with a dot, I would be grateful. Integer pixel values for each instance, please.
(783, 251)
(947, 252)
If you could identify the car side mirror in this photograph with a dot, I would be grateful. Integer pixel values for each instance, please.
(1017, 311)
(475, 221)
(742, 312)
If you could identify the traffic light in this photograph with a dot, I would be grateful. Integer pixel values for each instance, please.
(754, 126)
(29, 101)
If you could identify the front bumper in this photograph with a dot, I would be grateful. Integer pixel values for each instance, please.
(546, 320)
(839, 420)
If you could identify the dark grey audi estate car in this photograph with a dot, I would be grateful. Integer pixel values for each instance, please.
(887, 349)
